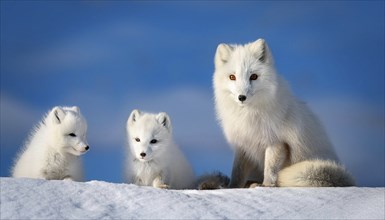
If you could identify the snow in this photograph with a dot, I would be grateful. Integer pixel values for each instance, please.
(54, 199)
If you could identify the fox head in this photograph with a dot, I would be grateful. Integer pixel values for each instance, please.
(68, 130)
(149, 135)
(245, 73)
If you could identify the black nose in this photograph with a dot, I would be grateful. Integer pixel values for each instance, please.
(142, 154)
(241, 98)
(87, 147)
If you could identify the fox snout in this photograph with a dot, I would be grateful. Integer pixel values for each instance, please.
(84, 149)
(78, 149)
(242, 98)
(144, 156)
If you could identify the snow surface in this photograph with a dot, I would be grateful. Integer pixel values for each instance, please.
(42, 199)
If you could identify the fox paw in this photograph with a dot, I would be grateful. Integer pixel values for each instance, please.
(269, 185)
(252, 184)
(269, 182)
(255, 185)
(68, 178)
(163, 186)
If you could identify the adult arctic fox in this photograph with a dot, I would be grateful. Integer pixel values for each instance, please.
(54, 147)
(268, 127)
(153, 158)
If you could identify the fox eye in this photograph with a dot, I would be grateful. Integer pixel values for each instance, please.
(72, 134)
(232, 77)
(137, 139)
(153, 141)
(253, 76)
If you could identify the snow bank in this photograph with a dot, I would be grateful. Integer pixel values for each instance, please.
(42, 199)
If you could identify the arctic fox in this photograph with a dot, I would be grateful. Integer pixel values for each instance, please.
(268, 127)
(153, 158)
(54, 147)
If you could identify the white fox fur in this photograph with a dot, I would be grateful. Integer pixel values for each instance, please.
(314, 173)
(153, 158)
(266, 125)
(54, 147)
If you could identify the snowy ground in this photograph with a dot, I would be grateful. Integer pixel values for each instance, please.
(41, 199)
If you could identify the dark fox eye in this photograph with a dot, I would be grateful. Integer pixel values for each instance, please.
(153, 141)
(72, 134)
(137, 139)
(232, 77)
(253, 76)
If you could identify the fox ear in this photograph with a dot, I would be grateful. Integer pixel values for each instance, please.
(223, 54)
(164, 120)
(134, 116)
(76, 109)
(260, 50)
(58, 115)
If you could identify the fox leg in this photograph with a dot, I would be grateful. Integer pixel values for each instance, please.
(159, 183)
(242, 166)
(275, 158)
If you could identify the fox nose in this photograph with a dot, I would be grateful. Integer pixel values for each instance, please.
(241, 98)
(87, 147)
(142, 154)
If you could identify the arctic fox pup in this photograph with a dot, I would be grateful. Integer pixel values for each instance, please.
(267, 126)
(153, 157)
(54, 147)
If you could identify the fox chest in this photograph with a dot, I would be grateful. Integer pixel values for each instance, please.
(145, 173)
(250, 132)
(56, 167)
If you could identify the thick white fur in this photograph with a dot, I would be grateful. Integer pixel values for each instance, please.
(271, 129)
(164, 165)
(51, 153)
(315, 173)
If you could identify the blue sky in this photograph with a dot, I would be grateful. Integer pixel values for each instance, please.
(109, 58)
